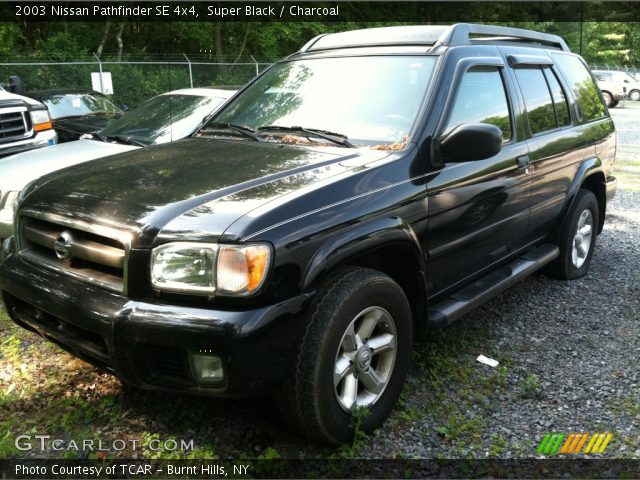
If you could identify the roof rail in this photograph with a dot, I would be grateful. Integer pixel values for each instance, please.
(416, 35)
(460, 34)
(431, 35)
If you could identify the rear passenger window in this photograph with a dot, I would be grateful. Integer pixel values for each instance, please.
(559, 98)
(537, 99)
(582, 85)
(481, 98)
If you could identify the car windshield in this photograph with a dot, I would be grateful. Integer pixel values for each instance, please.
(368, 101)
(78, 105)
(164, 118)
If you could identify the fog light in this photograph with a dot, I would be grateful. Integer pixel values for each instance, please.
(206, 368)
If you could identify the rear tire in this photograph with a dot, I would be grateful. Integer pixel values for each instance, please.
(355, 353)
(608, 99)
(577, 239)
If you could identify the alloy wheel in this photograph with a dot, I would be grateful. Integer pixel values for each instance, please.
(582, 239)
(365, 359)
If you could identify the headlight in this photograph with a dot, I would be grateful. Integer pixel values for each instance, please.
(190, 267)
(40, 120)
(10, 201)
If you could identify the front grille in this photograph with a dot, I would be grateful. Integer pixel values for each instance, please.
(79, 251)
(15, 124)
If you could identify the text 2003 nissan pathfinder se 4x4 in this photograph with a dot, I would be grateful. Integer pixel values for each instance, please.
(374, 184)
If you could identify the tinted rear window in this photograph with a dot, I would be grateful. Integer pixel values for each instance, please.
(582, 85)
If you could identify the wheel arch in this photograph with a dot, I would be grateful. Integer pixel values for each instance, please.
(388, 245)
(590, 176)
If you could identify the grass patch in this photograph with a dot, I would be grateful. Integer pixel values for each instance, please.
(530, 385)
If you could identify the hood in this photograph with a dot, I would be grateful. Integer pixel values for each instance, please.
(19, 170)
(185, 182)
(85, 123)
(4, 95)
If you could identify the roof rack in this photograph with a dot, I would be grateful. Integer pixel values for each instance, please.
(461, 33)
(431, 35)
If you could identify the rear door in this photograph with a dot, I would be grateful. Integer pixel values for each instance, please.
(555, 147)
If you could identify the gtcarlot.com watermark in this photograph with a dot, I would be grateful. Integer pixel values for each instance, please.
(47, 443)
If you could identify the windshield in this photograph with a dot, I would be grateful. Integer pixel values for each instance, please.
(79, 104)
(164, 118)
(370, 101)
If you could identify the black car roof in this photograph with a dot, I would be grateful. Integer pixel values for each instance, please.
(433, 36)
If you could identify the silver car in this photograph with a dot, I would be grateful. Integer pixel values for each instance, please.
(165, 118)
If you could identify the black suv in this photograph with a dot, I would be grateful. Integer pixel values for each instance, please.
(370, 186)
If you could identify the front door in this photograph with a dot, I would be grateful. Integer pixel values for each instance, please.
(478, 210)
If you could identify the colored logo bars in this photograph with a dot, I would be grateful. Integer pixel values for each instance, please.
(575, 443)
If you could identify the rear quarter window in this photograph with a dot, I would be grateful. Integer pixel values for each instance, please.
(581, 83)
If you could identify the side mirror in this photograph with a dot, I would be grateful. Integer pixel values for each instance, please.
(471, 141)
(15, 84)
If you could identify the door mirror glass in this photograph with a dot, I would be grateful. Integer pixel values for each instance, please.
(471, 141)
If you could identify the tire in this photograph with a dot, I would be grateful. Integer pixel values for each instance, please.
(315, 400)
(614, 104)
(576, 249)
(634, 95)
(608, 99)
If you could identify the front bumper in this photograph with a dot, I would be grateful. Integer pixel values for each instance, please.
(41, 139)
(146, 344)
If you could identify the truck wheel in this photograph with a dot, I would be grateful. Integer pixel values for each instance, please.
(608, 99)
(577, 238)
(355, 353)
(634, 95)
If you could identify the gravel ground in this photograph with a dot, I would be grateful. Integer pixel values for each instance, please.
(568, 355)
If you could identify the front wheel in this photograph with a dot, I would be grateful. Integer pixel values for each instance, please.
(634, 95)
(577, 238)
(354, 355)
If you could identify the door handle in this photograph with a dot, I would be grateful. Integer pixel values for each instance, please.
(522, 161)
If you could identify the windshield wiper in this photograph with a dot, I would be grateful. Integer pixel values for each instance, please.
(246, 131)
(336, 138)
(120, 138)
(99, 136)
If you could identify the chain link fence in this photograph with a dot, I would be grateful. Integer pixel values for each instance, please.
(134, 81)
(633, 71)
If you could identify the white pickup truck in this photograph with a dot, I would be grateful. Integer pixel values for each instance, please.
(24, 124)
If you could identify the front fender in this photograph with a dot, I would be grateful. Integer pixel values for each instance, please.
(360, 239)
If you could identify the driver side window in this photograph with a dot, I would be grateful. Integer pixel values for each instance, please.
(481, 98)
